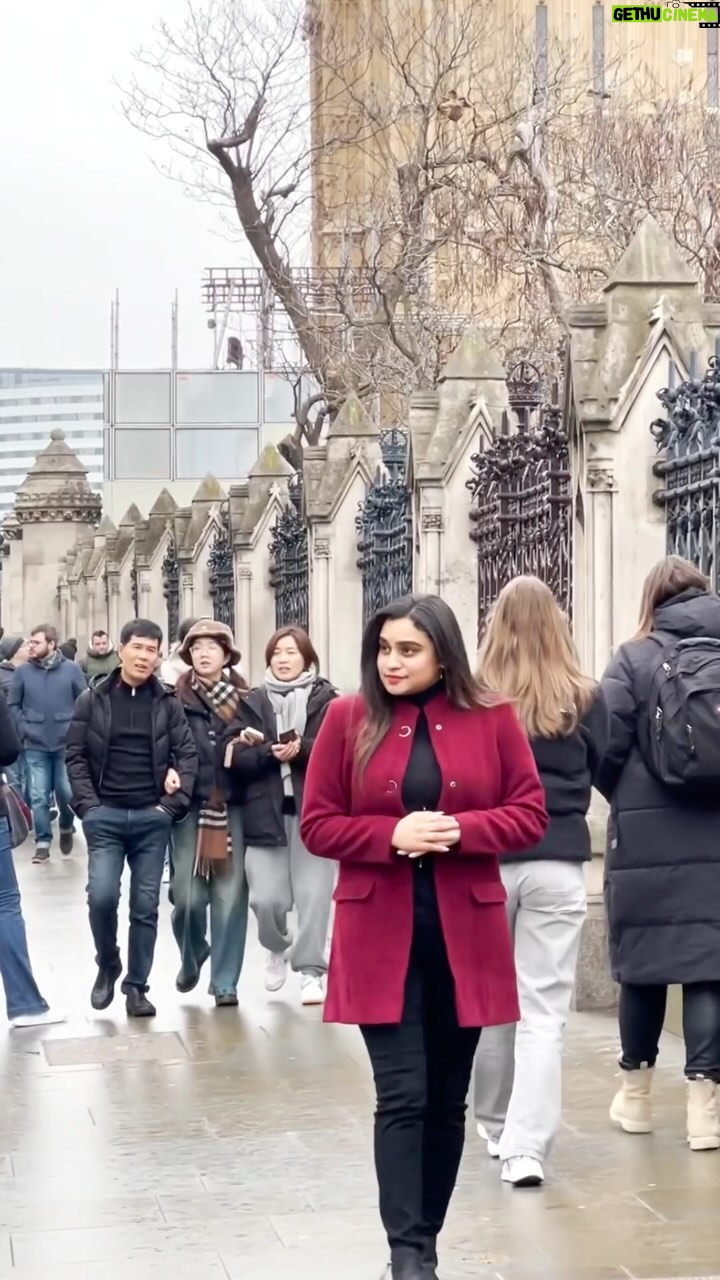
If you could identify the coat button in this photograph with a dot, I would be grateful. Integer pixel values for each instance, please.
(392, 784)
(438, 726)
(453, 784)
(405, 731)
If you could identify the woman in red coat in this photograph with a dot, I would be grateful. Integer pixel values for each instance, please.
(416, 787)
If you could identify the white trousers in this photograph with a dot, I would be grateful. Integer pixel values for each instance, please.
(517, 1080)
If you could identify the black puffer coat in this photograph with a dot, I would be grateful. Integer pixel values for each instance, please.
(88, 743)
(211, 735)
(259, 772)
(662, 882)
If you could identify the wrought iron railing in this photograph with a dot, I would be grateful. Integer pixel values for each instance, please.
(221, 574)
(289, 564)
(384, 528)
(171, 590)
(522, 500)
(689, 467)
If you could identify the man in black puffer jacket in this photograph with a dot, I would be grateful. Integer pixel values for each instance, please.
(127, 733)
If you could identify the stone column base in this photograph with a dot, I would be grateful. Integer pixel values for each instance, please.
(594, 986)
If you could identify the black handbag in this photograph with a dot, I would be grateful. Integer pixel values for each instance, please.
(18, 814)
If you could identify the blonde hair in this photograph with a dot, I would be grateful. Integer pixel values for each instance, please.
(528, 654)
(668, 578)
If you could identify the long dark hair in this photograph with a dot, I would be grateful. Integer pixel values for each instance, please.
(436, 619)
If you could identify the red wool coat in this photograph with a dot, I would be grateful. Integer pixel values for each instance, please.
(491, 785)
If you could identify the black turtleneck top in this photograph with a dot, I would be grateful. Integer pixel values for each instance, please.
(422, 783)
(421, 788)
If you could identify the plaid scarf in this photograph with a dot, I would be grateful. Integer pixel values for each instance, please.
(214, 842)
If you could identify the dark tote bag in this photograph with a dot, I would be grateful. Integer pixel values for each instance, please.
(18, 815)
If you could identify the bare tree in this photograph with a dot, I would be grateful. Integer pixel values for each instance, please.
(430, 168)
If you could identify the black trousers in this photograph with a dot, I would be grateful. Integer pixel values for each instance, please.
(642, 1014)
(422, 1068)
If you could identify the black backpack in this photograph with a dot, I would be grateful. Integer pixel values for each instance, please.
(683, 717)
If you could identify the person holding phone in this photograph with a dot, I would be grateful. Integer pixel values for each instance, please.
(281, 719)
(208, 849)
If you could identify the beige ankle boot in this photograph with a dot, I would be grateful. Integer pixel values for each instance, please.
(631, 1107)
(703, 1122)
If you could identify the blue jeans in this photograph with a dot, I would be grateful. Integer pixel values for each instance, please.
(226, 894)
(21, 993)
(16, 776)
(47, 775)
(140, 837)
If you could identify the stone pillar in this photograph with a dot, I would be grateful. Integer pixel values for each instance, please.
(91, 608)
(71, 629)
(114, 607)
(145, 595)
(15, 615)
(601, 487)
(186, 598)
(64, 610)
(595, 988)
(243, 613)
(432, 535)
(320, 607)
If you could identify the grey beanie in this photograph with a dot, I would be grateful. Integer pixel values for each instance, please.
(9, 646)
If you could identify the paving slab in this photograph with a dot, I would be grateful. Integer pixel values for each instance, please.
(236, 1144)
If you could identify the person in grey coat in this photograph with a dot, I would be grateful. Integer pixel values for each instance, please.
(42, 699)
(662, 869)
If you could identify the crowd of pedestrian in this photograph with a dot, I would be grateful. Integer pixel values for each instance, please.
(444, 810)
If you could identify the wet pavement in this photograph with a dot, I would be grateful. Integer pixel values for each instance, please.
(236, 1144)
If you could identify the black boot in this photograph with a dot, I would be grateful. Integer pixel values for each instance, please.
(407, 1264)
(430, 1260)
(103, 992)
(138, 1005)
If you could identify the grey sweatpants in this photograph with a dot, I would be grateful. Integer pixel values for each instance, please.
(286, 877)
(518, 1073)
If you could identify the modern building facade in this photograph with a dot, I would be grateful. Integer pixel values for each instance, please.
(33, 402)
(170, 428)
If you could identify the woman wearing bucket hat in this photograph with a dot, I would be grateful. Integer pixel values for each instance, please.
(285, 714)
(208, 847)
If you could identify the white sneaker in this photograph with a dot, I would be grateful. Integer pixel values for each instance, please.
(523, 1171)
(313, 989)
(276, 970)
(49, 1019)
(493, 1148)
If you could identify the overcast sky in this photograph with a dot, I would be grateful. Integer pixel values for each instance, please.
(82, 211)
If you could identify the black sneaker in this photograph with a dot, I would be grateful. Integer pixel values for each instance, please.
(138, 1005)
(41, 855)
(103, 992)
(66, 842)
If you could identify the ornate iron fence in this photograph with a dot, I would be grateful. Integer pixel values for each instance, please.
(689, 468)
(522, 513)
(135, 589)
(221, 573)
(289, 563)
(171, 590)
(384, 528)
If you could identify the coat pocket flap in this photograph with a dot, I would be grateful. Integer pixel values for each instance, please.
(355, 891)
(493, 891)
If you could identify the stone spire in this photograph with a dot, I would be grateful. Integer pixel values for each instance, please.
(56, 488)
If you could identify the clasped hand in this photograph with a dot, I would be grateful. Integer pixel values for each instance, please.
(424, 832)
(286, 751)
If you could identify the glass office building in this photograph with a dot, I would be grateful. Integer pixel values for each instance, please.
(33, 402)
(169, 429)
